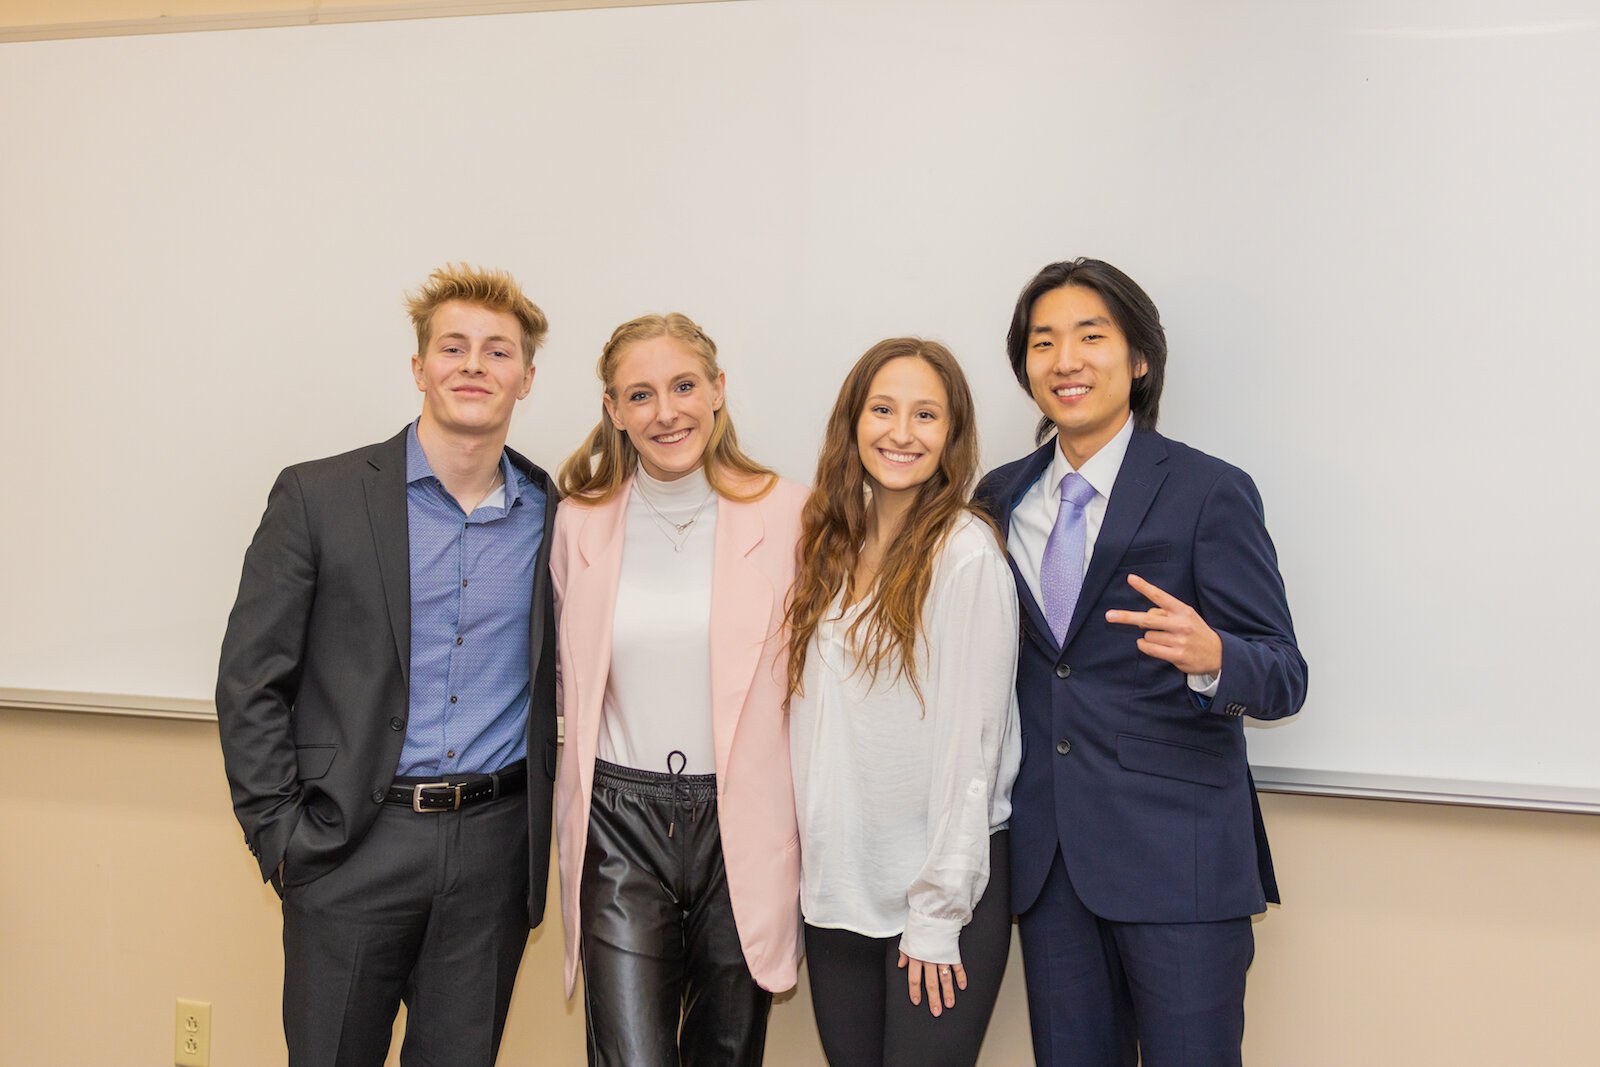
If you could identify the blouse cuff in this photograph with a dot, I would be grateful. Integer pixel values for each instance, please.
(932, 940)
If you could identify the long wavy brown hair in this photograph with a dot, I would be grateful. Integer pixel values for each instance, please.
(834, 525)
(606, 459)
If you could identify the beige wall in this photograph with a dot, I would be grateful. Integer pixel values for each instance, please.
(1415, 934)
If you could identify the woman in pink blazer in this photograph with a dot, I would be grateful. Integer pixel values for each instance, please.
(679, 851)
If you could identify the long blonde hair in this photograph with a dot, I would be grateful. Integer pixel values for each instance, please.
(834, 525)
(606, 459)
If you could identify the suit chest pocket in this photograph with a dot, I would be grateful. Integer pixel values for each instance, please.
(1143, 555)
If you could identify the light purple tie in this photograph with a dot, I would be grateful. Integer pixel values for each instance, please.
(1061, 569)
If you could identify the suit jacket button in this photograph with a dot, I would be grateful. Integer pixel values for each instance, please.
(1063, 746)
(377, 796)
(397, 723)
(1063, 671)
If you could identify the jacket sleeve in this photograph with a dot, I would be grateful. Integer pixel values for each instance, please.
(560, 550)
(973, 634)
(258, 679)
(1241, 596)
(987, 497)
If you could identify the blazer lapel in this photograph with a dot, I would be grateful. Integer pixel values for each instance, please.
(1034, 623)
(1135, 489)
(741, 618)
(588, 613)
(385, 487)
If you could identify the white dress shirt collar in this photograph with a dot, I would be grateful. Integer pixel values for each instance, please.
(1099, 470)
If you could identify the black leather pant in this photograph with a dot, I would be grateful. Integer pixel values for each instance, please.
(658, 938)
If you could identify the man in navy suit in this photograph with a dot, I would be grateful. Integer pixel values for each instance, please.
(1153, 619)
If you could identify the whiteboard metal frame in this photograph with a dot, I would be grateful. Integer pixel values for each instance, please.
(1427, 790)
(139, 707)
(1268, 779)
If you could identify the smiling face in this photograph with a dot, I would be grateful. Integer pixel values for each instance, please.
(473, 370)
(903, 426)
(662, 399)
(1079, 369)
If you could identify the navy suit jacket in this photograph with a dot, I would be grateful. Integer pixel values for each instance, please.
(1143, 785)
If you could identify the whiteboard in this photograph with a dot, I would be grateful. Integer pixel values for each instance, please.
(1371, 228)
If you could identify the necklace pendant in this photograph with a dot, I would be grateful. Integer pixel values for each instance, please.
(677, 548)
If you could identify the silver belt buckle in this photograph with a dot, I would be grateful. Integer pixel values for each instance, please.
(416, 797)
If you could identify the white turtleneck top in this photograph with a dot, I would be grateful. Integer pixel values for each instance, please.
(658, 691)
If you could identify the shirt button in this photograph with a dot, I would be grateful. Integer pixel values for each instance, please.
(1063, 746)
(458, 640)
(452, 700)
(463, 583)
(377, 796)
(397, 723)
(1063, 671)
(451, 754)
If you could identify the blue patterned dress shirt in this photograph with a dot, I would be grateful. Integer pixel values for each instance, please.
(471, 601)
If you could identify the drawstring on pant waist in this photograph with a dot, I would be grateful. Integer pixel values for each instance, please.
(675, 788)
(681, 794)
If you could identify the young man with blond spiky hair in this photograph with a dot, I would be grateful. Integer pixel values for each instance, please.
(386, 699)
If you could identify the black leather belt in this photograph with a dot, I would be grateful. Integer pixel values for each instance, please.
(425, 796)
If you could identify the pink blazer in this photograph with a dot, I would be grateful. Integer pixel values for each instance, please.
(751, 572)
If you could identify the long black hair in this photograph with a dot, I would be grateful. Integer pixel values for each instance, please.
(1131, 309)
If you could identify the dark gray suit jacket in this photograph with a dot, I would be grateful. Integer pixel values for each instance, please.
(312, 688)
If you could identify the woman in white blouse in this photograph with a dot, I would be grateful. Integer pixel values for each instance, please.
(903, 723)
(674, 812)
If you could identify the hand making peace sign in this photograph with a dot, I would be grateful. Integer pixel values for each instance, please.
(1173, 631)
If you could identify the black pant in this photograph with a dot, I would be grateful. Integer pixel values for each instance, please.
(658, 937)
(431, 909)
(860, 994)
